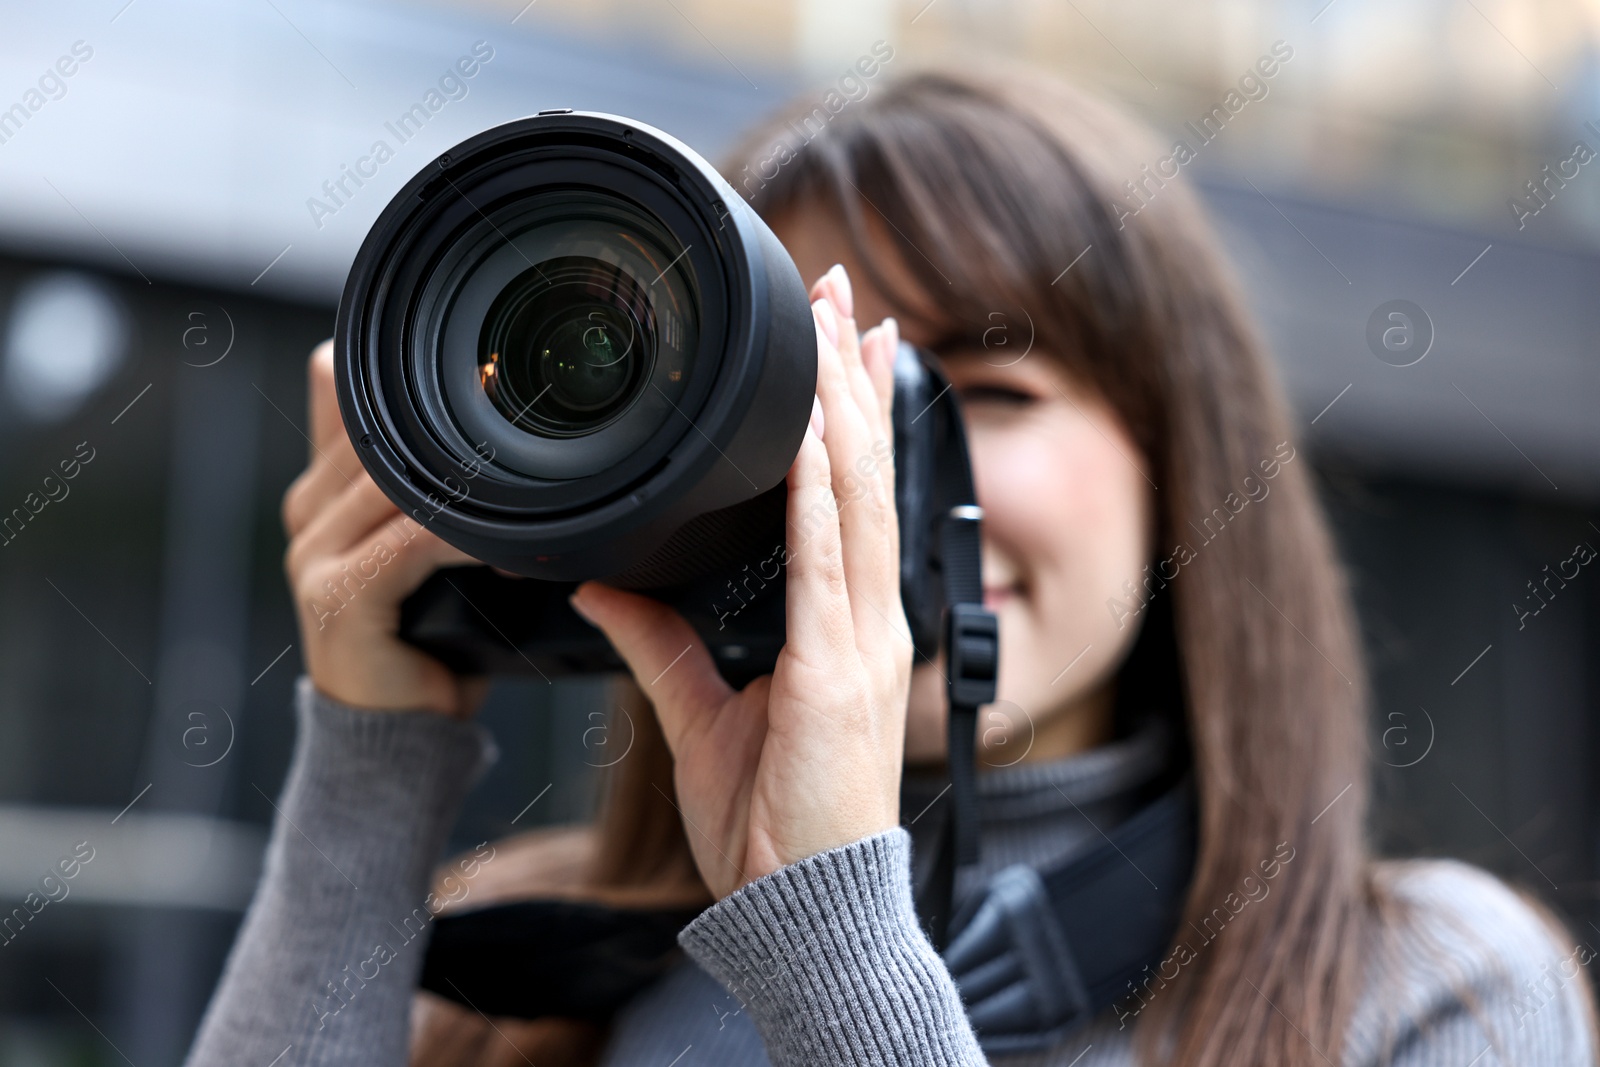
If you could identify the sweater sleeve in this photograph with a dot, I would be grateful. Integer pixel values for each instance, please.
(828, 958)
(324, 966)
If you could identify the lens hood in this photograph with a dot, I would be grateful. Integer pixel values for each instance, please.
(568, 348)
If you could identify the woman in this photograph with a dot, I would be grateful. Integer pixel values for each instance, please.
(1168, 598)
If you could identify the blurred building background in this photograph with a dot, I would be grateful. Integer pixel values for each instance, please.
(162, 278)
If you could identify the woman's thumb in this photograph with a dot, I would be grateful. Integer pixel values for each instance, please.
(665, 655)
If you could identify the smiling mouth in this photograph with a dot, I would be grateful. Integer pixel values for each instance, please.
(995, 595)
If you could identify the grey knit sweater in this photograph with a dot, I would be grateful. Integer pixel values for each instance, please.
(821, 962)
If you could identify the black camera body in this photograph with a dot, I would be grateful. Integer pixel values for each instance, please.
(568, 348)
(478, 621)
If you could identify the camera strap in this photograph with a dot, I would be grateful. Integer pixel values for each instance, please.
(972, 657)
(1035, 955)
(1039, 953)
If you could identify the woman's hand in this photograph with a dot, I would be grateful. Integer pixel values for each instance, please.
(807, 758)
(352, 559)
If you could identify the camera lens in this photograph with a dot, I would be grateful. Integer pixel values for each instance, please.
(567, 347)
(566, 333)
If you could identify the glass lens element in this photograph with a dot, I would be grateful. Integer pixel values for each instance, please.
(568, 346)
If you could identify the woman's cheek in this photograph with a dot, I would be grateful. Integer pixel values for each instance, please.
(1018, 479)
(1071, 511)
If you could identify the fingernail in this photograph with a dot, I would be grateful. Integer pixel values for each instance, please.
(869, 339)
(891, 326)
(827, 320)
(582, 614)
(841, 286)
(816, 415)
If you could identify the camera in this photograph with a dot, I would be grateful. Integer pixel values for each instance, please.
(568, 348)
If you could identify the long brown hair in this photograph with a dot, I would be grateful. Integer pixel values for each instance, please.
(987, 188)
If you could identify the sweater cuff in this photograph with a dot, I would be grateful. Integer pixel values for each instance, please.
(829, 959)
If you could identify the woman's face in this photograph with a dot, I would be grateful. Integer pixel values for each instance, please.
(1066, 521)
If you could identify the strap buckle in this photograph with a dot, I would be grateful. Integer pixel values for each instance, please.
(1020, 981)
(972, 643)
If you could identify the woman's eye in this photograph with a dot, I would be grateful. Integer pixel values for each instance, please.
(994, 394)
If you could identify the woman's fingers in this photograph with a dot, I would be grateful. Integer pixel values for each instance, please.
(878, 351)
(834, 287)
(868, 362)
(817, 614)
(317, 487)
(373, 542)
(868, 531)
(878, 347)
(352, 559)
(398, 555)
(333, 464)
(816, 611)
(665, 655)
(322, 397)
(342, 522)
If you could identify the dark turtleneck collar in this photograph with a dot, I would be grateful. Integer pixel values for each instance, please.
(1041, 813)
